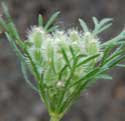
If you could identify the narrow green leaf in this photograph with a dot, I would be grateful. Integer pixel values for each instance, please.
(105, 21)
(14, 46)
(117, 61)
(95, 20)
(6, 12)
(10, 27)
(114, 62)
(83, 25)
(13, 31)
(114, 55)
(104, 28)
(23, 68)
(81, 56)
(14, 34)
(53, 28)
(90, 74)
(3, 25)
(65, 57)
(72, 51)
(86, 77)
(88, 59)
(102, 25)
(104, 76)
(40, 20)
(120, 65)
(106, 53)
(34, 68)
(61, 72)
(53, 62)
(114, 41)
(51, 20)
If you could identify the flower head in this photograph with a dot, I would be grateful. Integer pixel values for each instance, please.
(49, 51)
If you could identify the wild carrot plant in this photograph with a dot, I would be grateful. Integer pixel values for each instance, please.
(64, 63)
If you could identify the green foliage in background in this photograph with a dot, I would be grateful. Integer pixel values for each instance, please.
(64, 63)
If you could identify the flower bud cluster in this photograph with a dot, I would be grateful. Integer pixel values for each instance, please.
(46, 51)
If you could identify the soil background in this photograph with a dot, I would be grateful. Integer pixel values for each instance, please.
(104, 101)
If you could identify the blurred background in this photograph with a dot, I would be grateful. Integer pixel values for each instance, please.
(104, 101)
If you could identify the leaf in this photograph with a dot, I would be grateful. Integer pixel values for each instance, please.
(114, 41)
(10, 27)
(116, 53)
(117, 61)
(65, 57)
(104, 22)
(86, 77)
(23, 68)
(53, 62)
(102, 25)
(51, 20)
(88, 59)
(72, 51)
(40, 20)
(95, 20)
(106, 53)
(13, 30)
(61, 72)
(104, 76)
(14, 46)
(83, 25)
(90, 74)
(15, 35)
(104, 28)
(34, 68)
(120, 65)
(53, 28)
(106, 57)
(6, 12)
(114, 62)
(3, 25)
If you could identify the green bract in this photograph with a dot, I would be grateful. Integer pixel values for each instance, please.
(64, 63)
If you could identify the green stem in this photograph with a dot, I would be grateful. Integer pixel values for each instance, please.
(55, 118)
